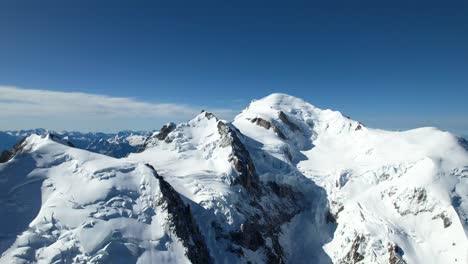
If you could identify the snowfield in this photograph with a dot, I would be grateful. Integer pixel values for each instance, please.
(285, 182)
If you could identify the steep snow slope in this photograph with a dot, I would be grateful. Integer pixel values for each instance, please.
(396, 196)
(240, 214)
(89, 208)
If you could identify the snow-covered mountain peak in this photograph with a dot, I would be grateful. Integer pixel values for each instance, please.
(377, 174)
(32, 143)
(292, 118)
(206, 142)
(76, 206)
(281, 101)
(199, 130)
(35, 141)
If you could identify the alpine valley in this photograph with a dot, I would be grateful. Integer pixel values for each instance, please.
(284, 182)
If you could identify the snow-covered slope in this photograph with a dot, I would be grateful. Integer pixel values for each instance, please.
(285, 182)
(240, 215)
(396, 196)
(69, 205)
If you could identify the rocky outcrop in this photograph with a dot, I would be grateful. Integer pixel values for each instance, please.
(265, 217)
(239, 158)
(283, 117)
(182, 223)
(159, 136)
(395, 254)
(60, 140)
(267, 125)
(355, 253)
(5, 156)
(17, 148)
(165, 130)
(413, 201)
(445, 219)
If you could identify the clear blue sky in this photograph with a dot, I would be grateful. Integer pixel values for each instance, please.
(393, 65)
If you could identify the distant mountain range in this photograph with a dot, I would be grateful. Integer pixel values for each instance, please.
(112, 144)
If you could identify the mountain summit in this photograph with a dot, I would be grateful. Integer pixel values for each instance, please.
(285, 182)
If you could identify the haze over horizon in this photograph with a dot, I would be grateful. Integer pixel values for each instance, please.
(108, 67)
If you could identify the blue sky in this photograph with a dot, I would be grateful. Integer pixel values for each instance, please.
(392, 65)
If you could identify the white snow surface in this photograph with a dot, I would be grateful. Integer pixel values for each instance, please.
(393, 188)
(395, 197)
(92, 207)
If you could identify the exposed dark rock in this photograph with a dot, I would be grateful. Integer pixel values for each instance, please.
(236, 250)
(161, 135)
(418, 197)
(239, 158)
(359, 127)
(335, 210)
(248, 236)
(281, 205)
(5, 156)
(421, 195)
(463, 142)
(330, 218)
(283, 117)
(218, 230)
(209, 115)
(17, 148)
(60, 140)
(165, 130)
(267, 125)
(261, 122)
(279, 133)
(446, 220)
(354, 255)
(288, 154)
(395, 254)
(182, 223)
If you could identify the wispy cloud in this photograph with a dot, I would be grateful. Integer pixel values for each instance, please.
(28, 103)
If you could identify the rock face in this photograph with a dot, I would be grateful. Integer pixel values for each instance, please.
(395, 255)
(285, 182)
(158, 136)
(267, 125)
(283, 204)
(5, 156)
(355, 254)
(239, 158)
(165, 130)
(182, 223)
(283, 117)
(17, 148)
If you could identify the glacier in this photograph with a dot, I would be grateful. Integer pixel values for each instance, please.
(284, 182)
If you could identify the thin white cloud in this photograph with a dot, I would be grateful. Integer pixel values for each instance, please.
(16, 102)
(31, 108)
